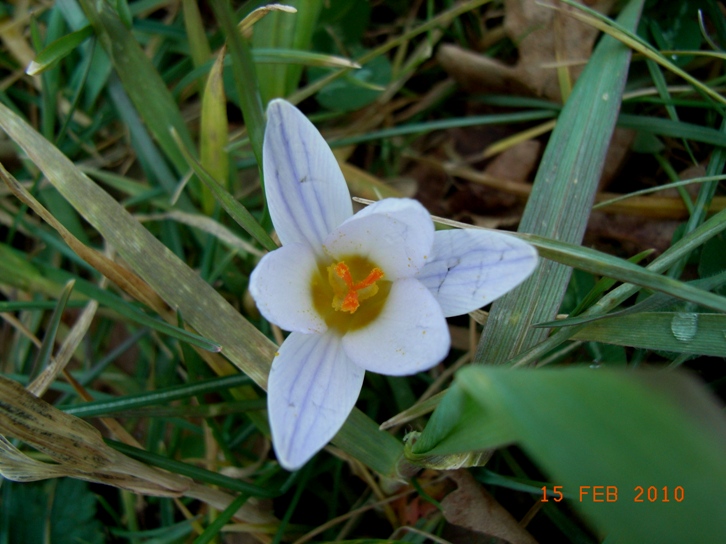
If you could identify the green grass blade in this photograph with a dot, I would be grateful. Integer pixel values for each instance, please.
(281, 30)
(672, 255)
(441, 20)
(245, 77)
(214, 528)
(214, 132)
(603, 285)
(142, 82)
(444, 124)
(673, 129)
(705, 196)
(627, 36)
(298, 59)
(129, 311)
(18, 272)
(25, 305)
(46, 348)
(159, 396)
(679, 332)
(196, 36)
(603, 264)
(58, 50)
(562, 195)
(236, 210)
(198, 473)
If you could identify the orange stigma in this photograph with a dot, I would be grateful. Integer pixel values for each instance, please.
(348, 293)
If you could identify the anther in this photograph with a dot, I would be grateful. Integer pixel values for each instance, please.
(349, 294)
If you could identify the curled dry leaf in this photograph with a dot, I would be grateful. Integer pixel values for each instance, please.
(473, 508)
(245, 26)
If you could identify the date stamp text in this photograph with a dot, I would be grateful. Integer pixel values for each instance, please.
(611, 493)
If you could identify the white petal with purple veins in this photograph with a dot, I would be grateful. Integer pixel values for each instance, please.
(306, 192)
(311, 390)
(410, 334)
(396, 234)
(472, 267)
(280, 285)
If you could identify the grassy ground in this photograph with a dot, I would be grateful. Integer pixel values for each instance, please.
(124, 270)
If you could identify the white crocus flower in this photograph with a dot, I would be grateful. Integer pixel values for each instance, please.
(369, 291)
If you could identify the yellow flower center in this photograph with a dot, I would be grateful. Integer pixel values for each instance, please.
(350, 293)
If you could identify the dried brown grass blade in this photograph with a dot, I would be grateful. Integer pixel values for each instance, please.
(80, 452)
(124, 278)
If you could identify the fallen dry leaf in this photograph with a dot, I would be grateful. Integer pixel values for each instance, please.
(517, 162)
(545, 38)
(473, 508)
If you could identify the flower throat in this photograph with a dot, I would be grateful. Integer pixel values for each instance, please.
(349, 293)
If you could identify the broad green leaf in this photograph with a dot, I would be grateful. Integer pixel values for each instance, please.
(588, 428)
(564, 189)
(61, 511)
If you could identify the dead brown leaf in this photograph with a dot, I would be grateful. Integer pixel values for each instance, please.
(473, 508)
(631, 234)
(546, 39)
(517, 162)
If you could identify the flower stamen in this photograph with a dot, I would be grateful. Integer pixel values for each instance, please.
(348, 293)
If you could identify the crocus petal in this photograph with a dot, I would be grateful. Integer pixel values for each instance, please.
(312, 388)
(397, 234)
(472, 267)
(306, 192)
(410, 334)
(280, 285)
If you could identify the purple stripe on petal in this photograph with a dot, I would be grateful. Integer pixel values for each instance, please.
(312, 388)
(305, 189)
(473, 267)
